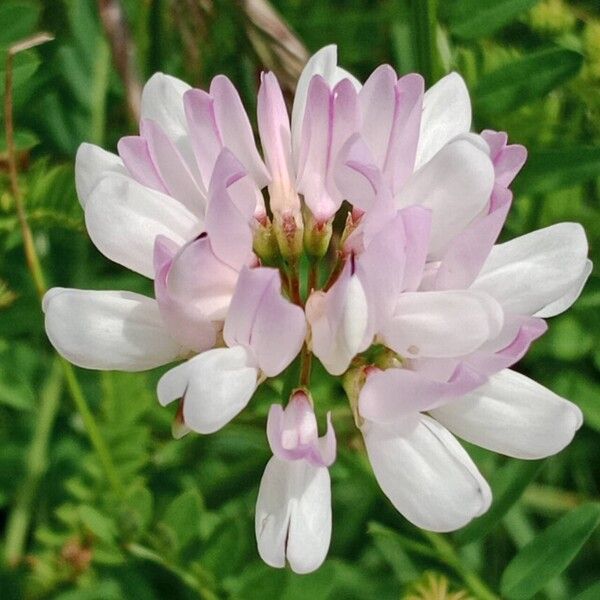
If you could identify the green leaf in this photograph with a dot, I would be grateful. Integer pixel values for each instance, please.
(19, 19)
(25, 65)
(469, 19)
(100, 525)
(391, 547)
(551, 170)
(24, 140)
(508, 483)
(591, 593)
(549, 553)
(183, 516)
(527, 79)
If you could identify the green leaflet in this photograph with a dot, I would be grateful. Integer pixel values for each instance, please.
(469, 19)
(529, 78)
(549, 553)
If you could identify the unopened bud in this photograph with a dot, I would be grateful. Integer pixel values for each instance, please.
(265, 243)
(288, 230)
(317, 236)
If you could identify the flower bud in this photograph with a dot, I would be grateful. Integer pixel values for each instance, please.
(288, 228)
(265, 243)
(317, 236)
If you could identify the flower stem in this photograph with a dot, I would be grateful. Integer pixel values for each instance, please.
(37, 463)
(35, 268)
(448, 555)
(305, 366)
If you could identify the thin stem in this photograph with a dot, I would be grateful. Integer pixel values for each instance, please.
(295, 285)
(447, 554)
(37, 463)
(187, 578)
(36, 271)
(305, 366)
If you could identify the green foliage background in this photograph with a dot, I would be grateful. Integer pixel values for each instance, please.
(183, 526)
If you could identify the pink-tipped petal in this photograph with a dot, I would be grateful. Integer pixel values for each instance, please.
(134, 152)
(172, 168)
(396, 393)
(234, 127)
(468, 252)
(260, 318)
(513, 415)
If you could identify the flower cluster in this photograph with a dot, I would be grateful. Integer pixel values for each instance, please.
(374, 252)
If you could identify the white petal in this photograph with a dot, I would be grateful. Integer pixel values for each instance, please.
(442, 324)
(215, 386)
(426, 473)
(456, 185)
(108, 330)
(324, 63)
(123, 219)
(513, 415)
(446, 114)
(564, 302)
(293, 515)
(91, 164)
(537, 273)
(162, 101)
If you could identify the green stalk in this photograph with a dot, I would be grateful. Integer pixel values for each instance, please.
(424, 25)
(186, 577)
(37, 463)
(448, 555)
(35, 268)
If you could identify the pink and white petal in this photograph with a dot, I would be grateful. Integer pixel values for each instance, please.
(293, 515)
(400, 161)
(397, 393)
(123, 219)
(162, 101)
(199, 279)
(323, 63)
(378, 106)
(564, 302)
(215, 386)
(275, 135)
(446, 114)
(108, 330)
(513, 415)
(417, 230)
(134, 152)
(456, 185)
(92, 163)
(426, 474)
(328, 444)
(278, 330)
(232, 200)
(530, 273)
(500, 353)
(235, 130)
(315, 151)
(469, 250)
(339, 320)
(205, 137)
(508, 159)
(173, 169)
(251, 286)
(381, 268)
(442, 324)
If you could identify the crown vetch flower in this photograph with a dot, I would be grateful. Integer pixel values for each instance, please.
(411, 299)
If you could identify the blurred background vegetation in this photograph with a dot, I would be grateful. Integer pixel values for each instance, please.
(180, 523)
